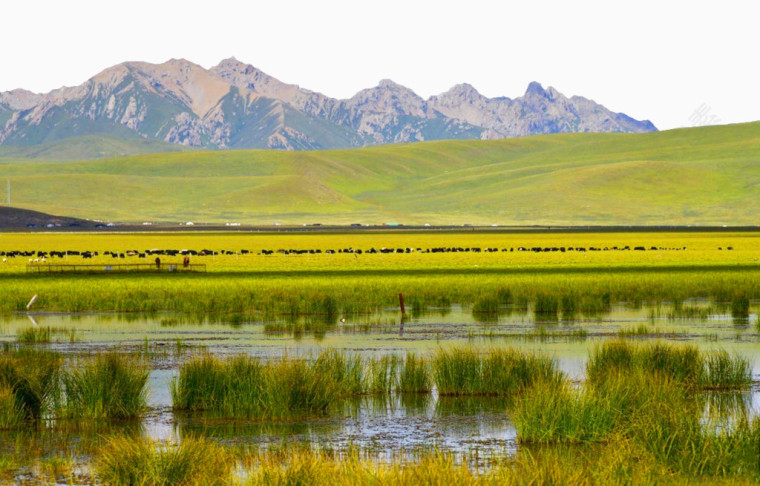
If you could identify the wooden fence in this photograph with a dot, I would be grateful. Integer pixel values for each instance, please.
(164, 267)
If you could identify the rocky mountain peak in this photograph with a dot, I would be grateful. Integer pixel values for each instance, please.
(464, 89)
(458, 94)
(20, 99)
(391, 97)
(236, 105)
(246, 76)
(232, 65)
(535, 88)
(390, 84)
(196, 87)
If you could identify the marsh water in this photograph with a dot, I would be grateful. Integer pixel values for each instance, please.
(478, 427)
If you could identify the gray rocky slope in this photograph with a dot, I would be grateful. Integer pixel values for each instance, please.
(235, 105)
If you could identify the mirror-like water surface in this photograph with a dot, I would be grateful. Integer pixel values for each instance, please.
(384, 425)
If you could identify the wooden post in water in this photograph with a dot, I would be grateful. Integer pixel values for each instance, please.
(403, 314)
(31, 302)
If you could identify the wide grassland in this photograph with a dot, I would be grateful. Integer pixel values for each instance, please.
(706, 175)
(683, 266)
(639, 412)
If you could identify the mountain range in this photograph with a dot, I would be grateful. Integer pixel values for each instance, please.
(235, 105)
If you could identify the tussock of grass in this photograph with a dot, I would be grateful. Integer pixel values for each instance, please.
(681, 362)
(39, 335)
(414, 375)
(655, 411)
(321, 469)
(33, 335)
(620, 461)
(557, 413)
(347, 371)
(740, 306)
(382, 374)
(245, 387)
(722, 371)
(107, 385)
(140, 462)
(11, 415)
(546, 307)
(30, 377)
(503, 372)
(487, 305)
(289, 388)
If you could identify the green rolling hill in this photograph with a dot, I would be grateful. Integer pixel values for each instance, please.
(88, 147)
(704, 176)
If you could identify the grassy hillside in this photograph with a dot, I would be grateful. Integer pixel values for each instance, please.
(707, 175)
(87, 147)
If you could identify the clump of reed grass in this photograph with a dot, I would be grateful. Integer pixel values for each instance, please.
(347, 371)
(740, 306)
(41, 335)
(382, 374)
(681, 362)
(294, 388)
(11, 415)
(674, 433)
(230, 387)
(551, 412)
(30, 376)
(621, 461)
(557, 413)
(414, 375)
(322, 469)
(107, 385)
(691, 312)
(487, 305)
(722, 370)
(498, 372)
(639, 331)
(546, 307)
(140, 462)
(652, 410)
(245, 387)
(34, 335)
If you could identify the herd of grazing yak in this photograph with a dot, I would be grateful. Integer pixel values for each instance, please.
(41, 256)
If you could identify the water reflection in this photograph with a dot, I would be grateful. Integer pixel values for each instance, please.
(382, 424)
(566, 330)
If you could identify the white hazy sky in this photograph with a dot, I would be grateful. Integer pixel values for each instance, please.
(677, 63)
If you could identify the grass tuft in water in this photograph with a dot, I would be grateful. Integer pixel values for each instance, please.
(140, 462)
(247, 388)
(107, 385)
(502, 372)
(681, 362)
(347, 371)
(34, 335)
(722, 371)
(382, 374)
(31, 377)
(11, 415)
(414, 375)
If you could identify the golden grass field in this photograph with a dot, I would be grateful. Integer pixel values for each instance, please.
(702, 249)
(688, 265)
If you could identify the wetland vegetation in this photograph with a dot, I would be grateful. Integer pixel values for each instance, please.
(508, 367)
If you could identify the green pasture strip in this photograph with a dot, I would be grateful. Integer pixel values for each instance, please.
(697, 176)
(335, 292)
